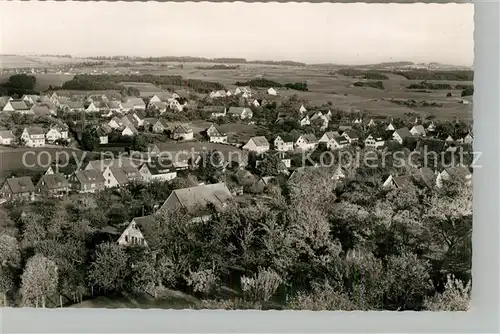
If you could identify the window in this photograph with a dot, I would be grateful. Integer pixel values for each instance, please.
(126, 238)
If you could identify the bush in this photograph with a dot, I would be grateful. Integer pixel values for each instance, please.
(262, 286)
(455, 297)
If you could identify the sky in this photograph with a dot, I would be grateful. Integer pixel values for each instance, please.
(353, 33)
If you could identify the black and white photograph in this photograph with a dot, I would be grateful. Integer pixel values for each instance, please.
(236, 156)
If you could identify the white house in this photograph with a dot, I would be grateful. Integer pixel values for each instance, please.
(129, 130)
(6, 137)
(302, 109)
(182, 132)
(305, 121)
(158, 171)
(449, 139)
(245, 91)
(33, 136)
(240, 112)
(333, 140)
(272, 91)
(215, 111)
(17, 106)
(257, 144)
(418, 130)
(91, 108)
(115, 123)
(55, 133)
(457, 173)
(306, 142)
(431, 127)
(281, 145)
(255, 103)
(132, 236)
(389, 127)
(372, 142)
(401, 134)
(371, 122)
(468, 139)
(216, 135)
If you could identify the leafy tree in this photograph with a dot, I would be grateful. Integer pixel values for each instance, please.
(90, 139)
(39, 280)
(455, 297)
(271, 165)
(109, 269)
(210, 166)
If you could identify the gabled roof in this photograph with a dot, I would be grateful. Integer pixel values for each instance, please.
(135, 101)
(402, 181)
(19, 105)
(216, 131)
(100, 165)
(189, 198)
(157, 167)
(341, 140)
(35, 130)
(6, 134)
(458, 172)
(332, 134)
(404, 132)
(54, 181)
(309, 138)
(19, 185)
(40, 110)
(89, 176)
(182, 129)
(214, 109)
(419, 128)
(260, 141)
(237, 110)
(352, 134)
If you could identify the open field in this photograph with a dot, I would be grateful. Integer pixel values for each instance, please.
(31, 158)
(323, 86)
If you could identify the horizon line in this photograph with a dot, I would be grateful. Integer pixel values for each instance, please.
(226, 57)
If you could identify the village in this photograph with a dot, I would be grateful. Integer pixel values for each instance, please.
(315, 130)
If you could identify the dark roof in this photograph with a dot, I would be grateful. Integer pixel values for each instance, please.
(214, 109)
(19, 185)
(404, 132)
(458, 172)
(89, 176)
(237, 110)
(341, 140)
(402, 181)
(309, 138)
(6, 134)
(35, 130)
(352, 134)
(54, 181)
(216, 194)
(157, 167)
(19, 105)
(144, 220)
(260, 141)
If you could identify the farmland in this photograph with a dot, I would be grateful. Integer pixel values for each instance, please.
(324, 85)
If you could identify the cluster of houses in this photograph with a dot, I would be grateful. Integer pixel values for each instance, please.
(36, 136)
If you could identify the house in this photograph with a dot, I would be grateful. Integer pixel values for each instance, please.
(53, 185)
(159, 106)
(431, 127)
(153, 150)
(132, 236)
(139, 117)
(74, 106)
(333, 140)
(18, 188)
(194, 200)
(468, 139)
(389, 127)
(344, 127)
(302, 110)
(18, 106)
(418, 130)
(115, 123)
(357, 121)
(351, 136)
(176, 105)
(6, 137)
(374, 142)
(272, 91)
(158, 170)
(401, 134)
(306, 142)
(257, 144)
(120, 176)
(305, 121)
(182, 132)
(426, 176)
(215, 135)
(215, 111)
(30, 99)
(245, 91)
(86, 181)
(129, 130)
(39, 111)
(338, 174)
(459, 173)
(91, 107)
(449, 140)
(103, 131)
(240, 112)
(371, 123)
(218, 94)
(33, 136)
(65, 169)
(281, 145)
(255, 103)
(398, 181)
(160, 126)
(134, 103)
(56, 132)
